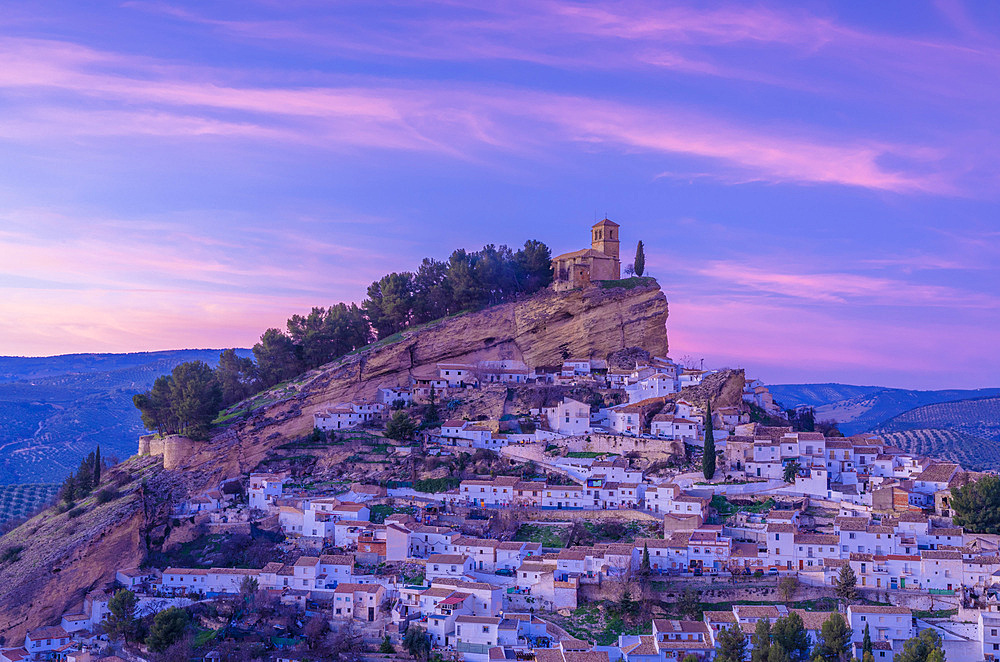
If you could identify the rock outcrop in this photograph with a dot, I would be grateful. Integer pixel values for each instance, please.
(541, 330)
(63, 557)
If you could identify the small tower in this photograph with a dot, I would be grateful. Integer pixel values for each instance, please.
(604, 238)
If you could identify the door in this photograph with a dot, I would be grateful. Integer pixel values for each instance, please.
(371, 613)
(800, 564)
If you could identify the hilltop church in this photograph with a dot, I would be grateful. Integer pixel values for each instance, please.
(599, 262)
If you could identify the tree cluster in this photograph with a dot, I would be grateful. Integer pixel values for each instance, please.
(786, 640)
(183, 402)
(87, 477)
(189, 399)
(977, 505)
(467, 280)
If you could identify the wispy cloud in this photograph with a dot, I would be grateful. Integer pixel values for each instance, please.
(440, 117)
(843, 287)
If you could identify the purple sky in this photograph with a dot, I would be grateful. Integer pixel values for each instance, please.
(816, 184)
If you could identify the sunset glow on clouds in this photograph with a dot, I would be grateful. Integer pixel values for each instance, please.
(816, 184)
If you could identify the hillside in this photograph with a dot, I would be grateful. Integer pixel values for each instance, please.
(57, 409)
(971, 452)
(818, 395)
(53, 560)
(541, 330)
(865, 407)
(977, 417)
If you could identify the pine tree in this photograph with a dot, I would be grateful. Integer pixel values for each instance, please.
(640, 259)
(777, 653)
(432, 415)
(761, 641)
(85, 475)
(790, 633)
(68, 490)
(97, 467)
(732, 644)
(846, 584)
(708, 459)
(834, 641)
(121, 619)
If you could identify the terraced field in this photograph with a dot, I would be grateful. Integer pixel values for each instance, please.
(20, 500)
(970, 451)
(862, 408)
(979, 417)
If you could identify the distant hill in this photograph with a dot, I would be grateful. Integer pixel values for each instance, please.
(817, 395)
(56, 409)
(970, 451)
(977, 417)
(861, 408)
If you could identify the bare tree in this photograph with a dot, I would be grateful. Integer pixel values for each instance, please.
(345, 644)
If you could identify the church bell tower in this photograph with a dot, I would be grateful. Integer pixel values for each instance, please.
(605, 238)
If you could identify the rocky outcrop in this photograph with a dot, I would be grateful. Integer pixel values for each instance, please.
(541, 330)
(63, 557)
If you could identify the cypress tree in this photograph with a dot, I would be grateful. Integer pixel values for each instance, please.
(97, 466)
(866, 642)
(708, 459)
(640, 259)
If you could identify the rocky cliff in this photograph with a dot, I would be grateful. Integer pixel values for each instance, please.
(51, 562)
(542, 330)
(61, 556)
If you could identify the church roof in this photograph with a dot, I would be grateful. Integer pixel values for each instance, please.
(606, 221)
(586, 252)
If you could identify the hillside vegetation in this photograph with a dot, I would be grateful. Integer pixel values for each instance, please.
(22, 500)
(979, 417)
(971, 452)
(864, 407)
(188, 400)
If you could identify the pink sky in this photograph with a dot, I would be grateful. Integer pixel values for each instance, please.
(816, 185)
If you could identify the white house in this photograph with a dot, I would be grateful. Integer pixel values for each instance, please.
(265, 488)
(448, 565)
(885, 623)
(45, 639)
(347, 415)
(626, 419)
(569, 417)
(476, 635)
(989, 634)
(668, 426)
(575, 367)
(653, 386)
(457, 374)
(389, 395)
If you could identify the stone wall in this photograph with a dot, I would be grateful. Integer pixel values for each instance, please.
(174, 449)
(620, 444)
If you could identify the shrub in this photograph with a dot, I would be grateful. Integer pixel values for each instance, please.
(12, 554)
(76, 512)
(106, 495)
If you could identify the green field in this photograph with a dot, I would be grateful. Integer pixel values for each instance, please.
(21, 500)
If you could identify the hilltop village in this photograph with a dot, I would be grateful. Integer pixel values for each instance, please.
(624, 507)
